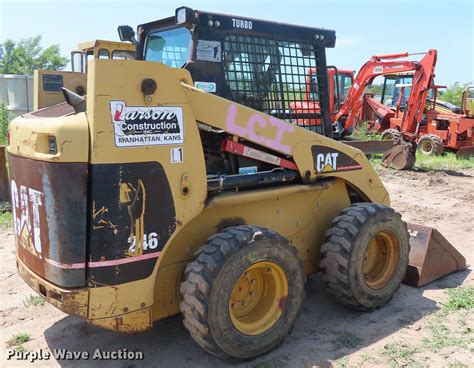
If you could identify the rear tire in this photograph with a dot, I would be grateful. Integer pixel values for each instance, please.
(365, 257)
(243, 292)
(431, 145)
(393, 134)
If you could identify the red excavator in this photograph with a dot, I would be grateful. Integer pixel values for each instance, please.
(401, 156)
(442, 126)
(345, 114)
(340, 82)
(408, 107)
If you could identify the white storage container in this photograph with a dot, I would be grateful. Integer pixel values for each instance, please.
(3, 89)
(20, 92)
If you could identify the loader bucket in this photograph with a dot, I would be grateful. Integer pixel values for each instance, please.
(431, 256)
(465, 152)
(401, 156)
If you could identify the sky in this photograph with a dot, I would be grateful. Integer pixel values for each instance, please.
(363, 28)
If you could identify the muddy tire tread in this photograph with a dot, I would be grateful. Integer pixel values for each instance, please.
(199, 276)
(336, 251)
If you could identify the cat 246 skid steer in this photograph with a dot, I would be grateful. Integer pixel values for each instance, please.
(149, 196)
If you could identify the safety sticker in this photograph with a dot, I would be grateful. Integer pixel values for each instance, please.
(206, 86)
(378, 69)
(208, 51)
(146, 125)
(176, 155)
(248, 170)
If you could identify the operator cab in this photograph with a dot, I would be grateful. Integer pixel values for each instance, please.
(260, 64)
(99, 49)
(395, 88)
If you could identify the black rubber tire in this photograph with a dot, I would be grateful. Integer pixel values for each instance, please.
(391, 134)
(342, 254)
(431, 145)
(209, 280)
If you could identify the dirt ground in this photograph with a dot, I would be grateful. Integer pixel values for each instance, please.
(411, 330)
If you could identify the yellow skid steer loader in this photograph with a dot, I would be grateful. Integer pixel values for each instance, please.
(149, 196)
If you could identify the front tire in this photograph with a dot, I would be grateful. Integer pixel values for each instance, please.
(431, 145)
(365, 257)
(243, 292)
(392, 134)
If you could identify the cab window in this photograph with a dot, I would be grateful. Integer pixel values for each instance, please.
(170, 47)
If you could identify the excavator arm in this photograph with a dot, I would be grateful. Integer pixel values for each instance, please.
(383, 65)
(422, 81)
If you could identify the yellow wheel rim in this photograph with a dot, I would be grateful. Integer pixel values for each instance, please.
(258, 298)
(381, 259)
(426, 147)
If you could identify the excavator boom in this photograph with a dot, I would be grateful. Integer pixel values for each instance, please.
(377, 66)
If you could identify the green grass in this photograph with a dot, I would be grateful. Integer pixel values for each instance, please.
(347, 340)
(400, 354)
(20, 348)
(362, 133)
(442, 337)
(342, 362)
(5, 118)
(34, 301)
(459, 298)
(457, 364)
(448, 161)
(19, 339)
(6, 218)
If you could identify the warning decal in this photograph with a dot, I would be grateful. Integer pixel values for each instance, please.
(208, 51)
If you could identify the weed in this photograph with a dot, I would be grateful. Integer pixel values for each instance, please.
(6, 218)
(459, 298)
(346, 340)
(5, 118)
(375, 160)
(33, 301)
(441, 337)
(366, 358)
(342, 362)
(20, 348)
(362, 133)
(18, 339)
(457, 364)
(400, 354)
